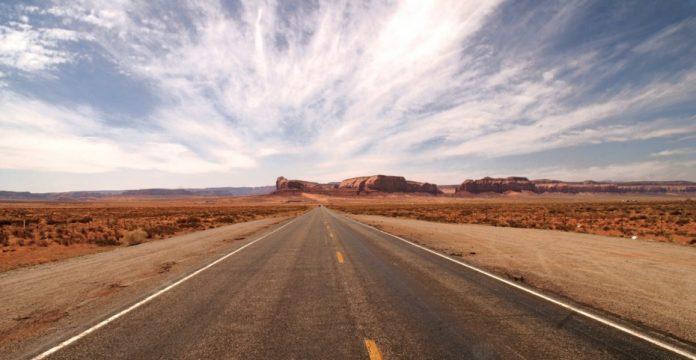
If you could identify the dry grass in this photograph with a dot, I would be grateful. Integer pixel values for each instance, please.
(670, 221)
(35, 231)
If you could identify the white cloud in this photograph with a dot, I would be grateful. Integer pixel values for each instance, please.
(642, 170)
(34, 49)
(674, 152)
(353, 86)
(39, 136)
(664, 40)
(361, 71)
(564, 126)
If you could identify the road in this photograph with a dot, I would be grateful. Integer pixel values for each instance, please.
(325, 287)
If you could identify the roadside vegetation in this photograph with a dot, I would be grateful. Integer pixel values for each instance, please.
(112, 226)
(669, 221)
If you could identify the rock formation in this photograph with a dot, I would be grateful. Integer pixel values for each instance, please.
(398, 184)
(423, 187)
(283, 184)
(615, 187)
(358, 185)
(497, 185)
(385, 183)
(502, 185)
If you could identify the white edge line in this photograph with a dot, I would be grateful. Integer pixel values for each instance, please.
(575, 309)
(149, 298)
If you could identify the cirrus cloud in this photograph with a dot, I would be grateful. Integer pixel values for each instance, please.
(337, 87)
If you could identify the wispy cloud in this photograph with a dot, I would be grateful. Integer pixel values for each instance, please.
(71, 140)
(348, 87)
(34, 49)
(644, 170)
(675, 152)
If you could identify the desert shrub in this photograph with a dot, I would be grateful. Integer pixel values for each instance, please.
(160, 230)
(106, 241)
(514, 223)
(83, 220)
(227, 219)
(682, 221)
(676, 219)
(21, 232)
(135, 237)
(564, 227)
(64, 240)
(190, 222)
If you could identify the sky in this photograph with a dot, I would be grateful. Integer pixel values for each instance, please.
(121, 94)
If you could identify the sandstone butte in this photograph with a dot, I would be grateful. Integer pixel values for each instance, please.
(497, 185)
(283, 184)
(358, 185)
(385, 183)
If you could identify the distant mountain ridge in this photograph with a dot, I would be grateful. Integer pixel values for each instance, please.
(520, 184)
(375, 184)
(144, 193)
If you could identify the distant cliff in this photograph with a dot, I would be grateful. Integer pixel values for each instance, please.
(497, 185)
(358, 185)
(283, 185)
(520, 184)
(385, 183)
(615, 187)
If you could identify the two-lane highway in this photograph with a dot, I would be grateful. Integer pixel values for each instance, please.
(325, 287)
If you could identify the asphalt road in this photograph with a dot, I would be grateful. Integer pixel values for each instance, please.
(324, 287)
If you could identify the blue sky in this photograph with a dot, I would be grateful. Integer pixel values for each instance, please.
(132, 94)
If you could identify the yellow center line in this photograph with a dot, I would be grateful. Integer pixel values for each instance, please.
(331, 234)
(372, 350)
(339, 257)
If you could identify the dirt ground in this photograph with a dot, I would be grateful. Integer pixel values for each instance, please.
(37, 232)
(662, 218)
(652, 283)
(75, 291)
(640, 280)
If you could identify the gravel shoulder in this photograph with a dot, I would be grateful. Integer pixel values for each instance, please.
(650, 283)
(44, 304)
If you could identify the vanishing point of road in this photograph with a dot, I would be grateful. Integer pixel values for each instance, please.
(325, 287)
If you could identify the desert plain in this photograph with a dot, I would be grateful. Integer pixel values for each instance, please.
(629, 257)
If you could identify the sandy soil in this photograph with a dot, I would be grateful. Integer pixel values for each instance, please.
(15, 257)
(646, 282)
(66, 294)
(37, 232)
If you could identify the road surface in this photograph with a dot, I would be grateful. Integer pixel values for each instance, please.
(325, 287)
